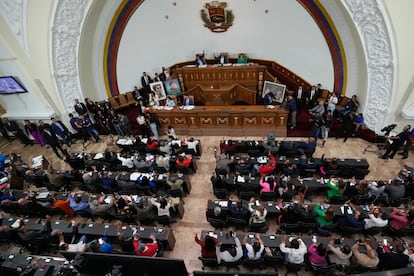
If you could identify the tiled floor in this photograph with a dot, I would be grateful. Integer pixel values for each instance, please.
(195, 204)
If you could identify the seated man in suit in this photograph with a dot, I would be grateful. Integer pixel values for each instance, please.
(199, 59)
(187, 101)
(222, 58)
(307, 148)
(238, 211)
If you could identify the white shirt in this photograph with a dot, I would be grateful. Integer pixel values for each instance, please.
(192, 145)
(295, 256)
(373, 221)
(161, 211)
(127, 162)
(225, 255)
(250, 251)
(333, 100)
(76, 247)
(312, 94)
(299, 93)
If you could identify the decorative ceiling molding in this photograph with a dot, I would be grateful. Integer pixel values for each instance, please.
(375, 33)
(67, 27)
(14, 15)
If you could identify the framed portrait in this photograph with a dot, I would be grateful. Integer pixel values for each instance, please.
(277, 90)
(173, 87)
(158, 89)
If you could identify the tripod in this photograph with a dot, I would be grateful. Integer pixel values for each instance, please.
(380, 146)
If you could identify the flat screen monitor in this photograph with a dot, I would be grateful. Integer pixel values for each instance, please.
(9, 85)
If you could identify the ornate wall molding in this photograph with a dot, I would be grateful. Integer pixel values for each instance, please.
(66, 31)
(375, 33)
(14, 14)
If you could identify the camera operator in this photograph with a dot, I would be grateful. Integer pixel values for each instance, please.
(407, 145)
(317, 123)
(397, 142)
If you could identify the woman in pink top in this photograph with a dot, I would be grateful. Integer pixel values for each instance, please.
(401, 220)
(268, 185)
(317, 254)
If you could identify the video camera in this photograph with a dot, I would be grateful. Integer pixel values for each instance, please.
(388, 129)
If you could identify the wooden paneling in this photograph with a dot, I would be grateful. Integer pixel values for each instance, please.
(247, 76)
(222, 94)
(224, 119)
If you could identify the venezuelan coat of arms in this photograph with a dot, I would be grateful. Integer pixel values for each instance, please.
(216, 17)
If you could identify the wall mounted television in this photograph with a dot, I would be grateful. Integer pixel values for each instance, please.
(9, 85)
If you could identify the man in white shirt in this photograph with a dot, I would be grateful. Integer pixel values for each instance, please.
(232, 254)
(126, 161)
(332, 102)
(375, 218)
(295, 252)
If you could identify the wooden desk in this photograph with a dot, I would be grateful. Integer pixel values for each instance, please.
(222, 94)
(225, 120)
(249, 76)
(98, 229)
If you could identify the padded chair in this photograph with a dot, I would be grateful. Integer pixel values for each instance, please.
(114, 102)
(221, 193)
(160, 170)
(293, 268)
(349, 231)
(163, 220)
(246, 195)
(323, 270)
(360, 199)
(267, 196)
(307, 227)
(338, 199)
(289, 228)
(398, 202)
(373, 231)
(130, 97)
(330, 228)
(287, 196)
(123, 101)
(235, 265)
(253, 152)
(208, 262)
(184, 170)
(217, 223)
(238, 223)
(275, 260)
(221, 171)
(309, 172)
(253, 263)
(258, 227)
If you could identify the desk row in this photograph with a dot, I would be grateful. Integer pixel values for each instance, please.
(95, 229)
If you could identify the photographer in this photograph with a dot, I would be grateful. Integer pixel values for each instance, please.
(317, 123)
(397, 142)
(408, 145)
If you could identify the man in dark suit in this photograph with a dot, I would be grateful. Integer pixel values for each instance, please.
(80, 108)
(14, 128)
(300, 96)
(145, 81)
(222, 58)
(61, 130)
(187, 101)
(49, 136)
